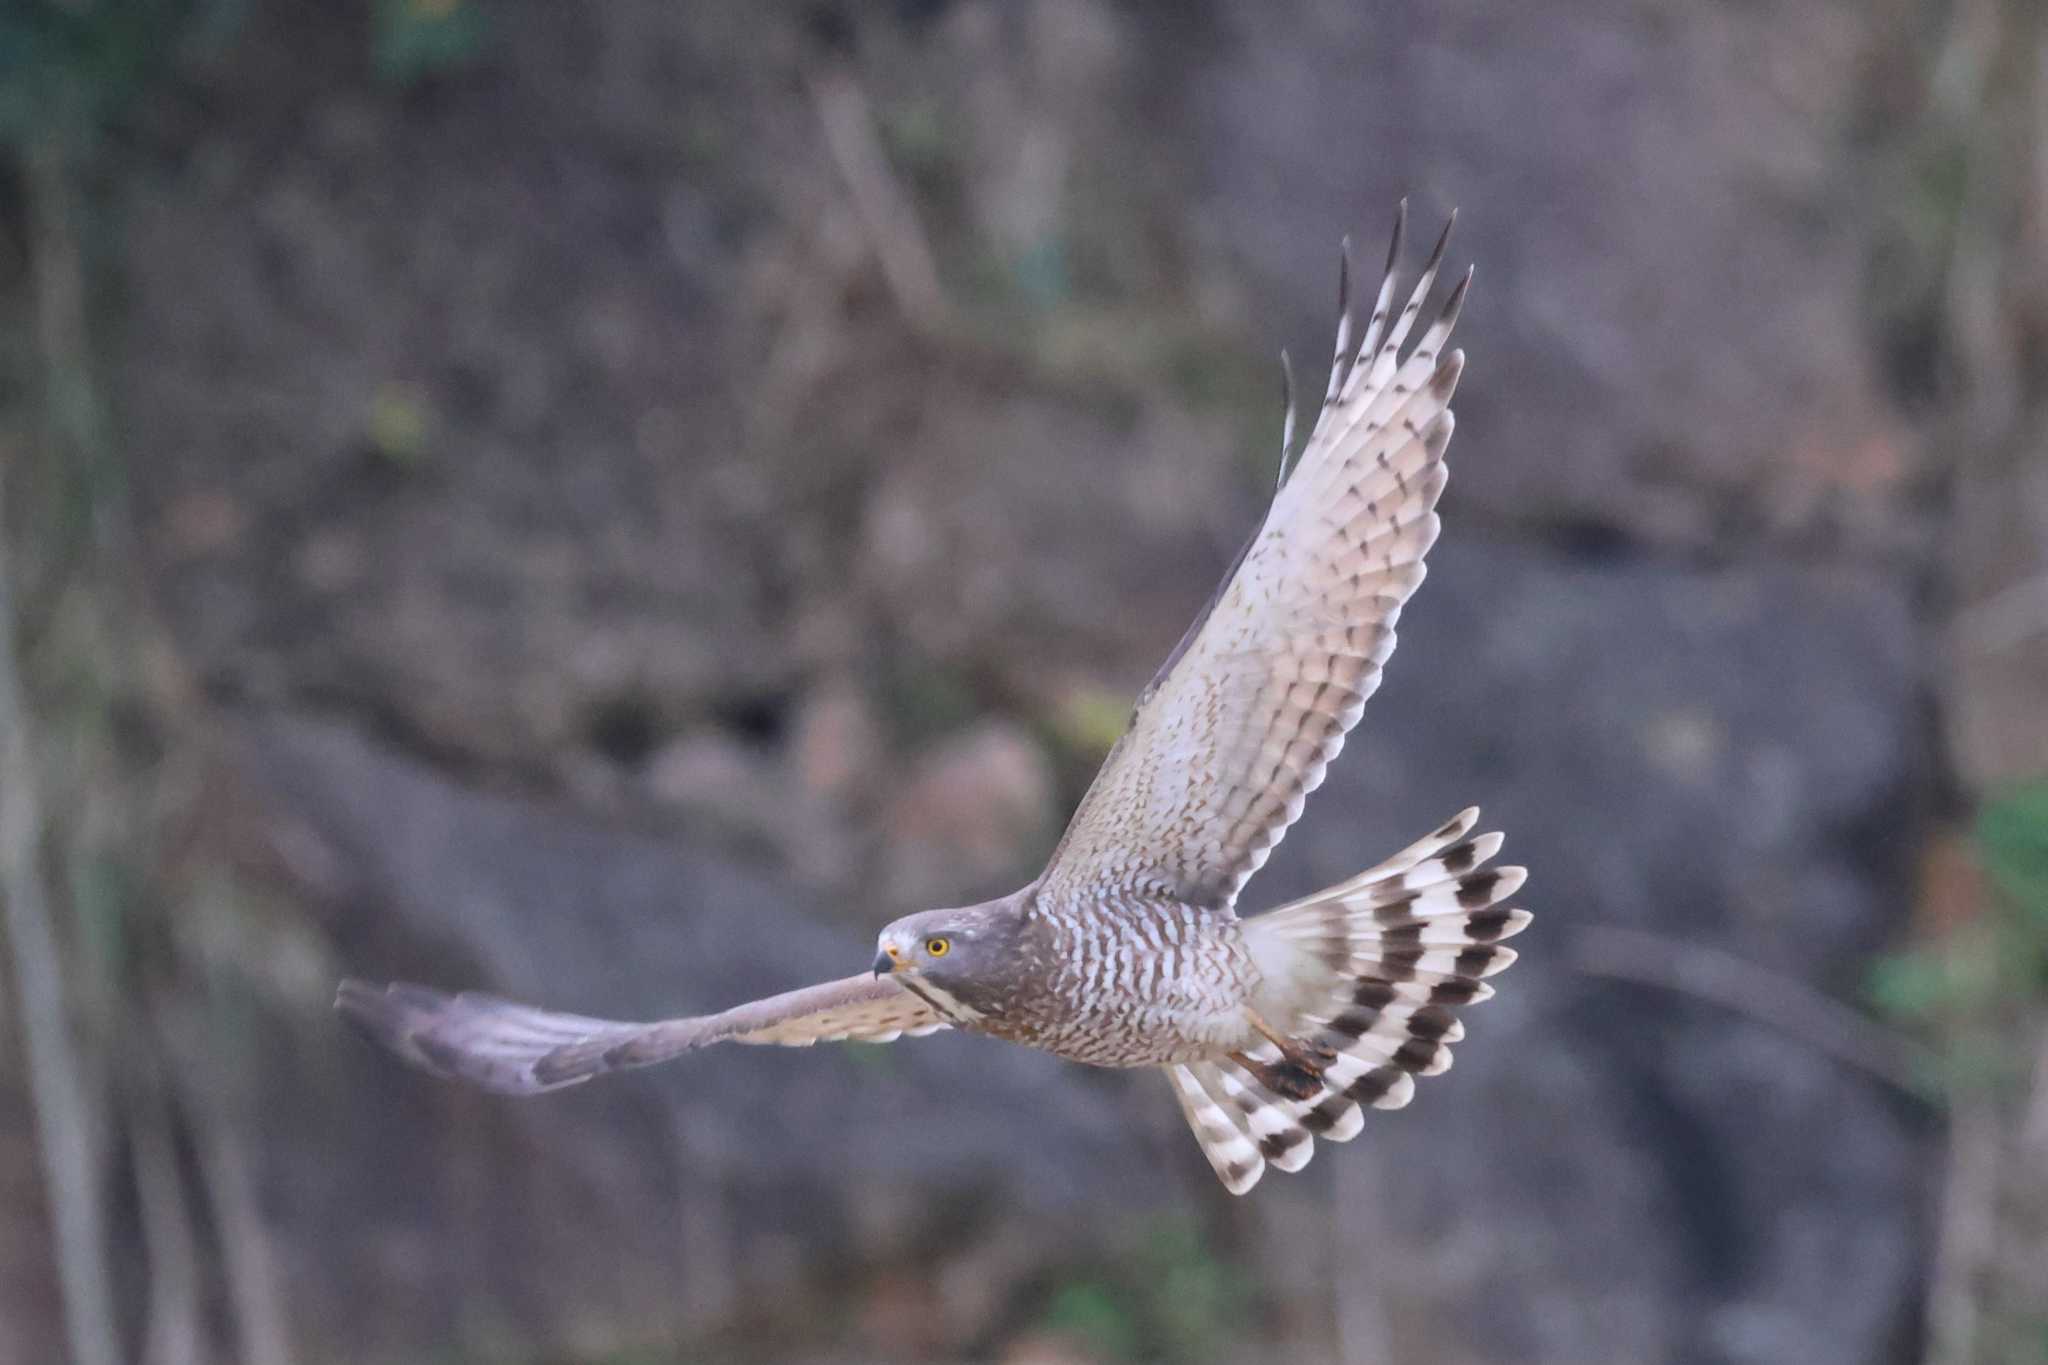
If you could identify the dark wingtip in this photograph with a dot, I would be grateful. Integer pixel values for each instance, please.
(1400, 230)
(1443, 240)
(1344, 276)
(1456, 302)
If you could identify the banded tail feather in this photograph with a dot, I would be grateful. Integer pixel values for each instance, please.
(1372, 970)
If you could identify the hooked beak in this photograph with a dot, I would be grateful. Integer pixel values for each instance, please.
(890, 959)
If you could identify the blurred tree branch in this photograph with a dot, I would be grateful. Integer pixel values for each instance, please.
(64, 1115)
(885, 207)
(1771, 998)
(1991, 87)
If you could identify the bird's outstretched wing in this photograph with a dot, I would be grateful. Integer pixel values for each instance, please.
(1237, 727)
(517, 1050)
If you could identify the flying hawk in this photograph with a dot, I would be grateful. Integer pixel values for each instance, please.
(1128, 950)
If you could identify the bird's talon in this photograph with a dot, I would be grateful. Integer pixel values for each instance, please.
(1291, 1078)
(1292, 1081)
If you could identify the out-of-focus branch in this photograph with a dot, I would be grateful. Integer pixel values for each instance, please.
(260, 1323)
(65, 1130)
(173, 1334)
(1785, 1004)
(248, 1254)
(884, 206)
(1967, 1235)
(1959, 1295)
(62, 1110)
(2014, 615)
(1989, 1270)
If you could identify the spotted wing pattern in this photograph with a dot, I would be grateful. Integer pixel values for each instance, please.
(1239, 725)
(518, 1050)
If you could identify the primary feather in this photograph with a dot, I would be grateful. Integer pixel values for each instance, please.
(1240, 725)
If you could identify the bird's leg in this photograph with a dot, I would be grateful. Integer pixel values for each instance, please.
(1303, 1052)
(1298, 1075)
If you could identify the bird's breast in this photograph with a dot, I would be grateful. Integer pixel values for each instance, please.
(1128, 983)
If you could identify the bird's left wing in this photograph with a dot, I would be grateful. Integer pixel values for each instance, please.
(1236, 729)
(517, 1050)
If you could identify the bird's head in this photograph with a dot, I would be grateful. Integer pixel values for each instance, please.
(949, 948)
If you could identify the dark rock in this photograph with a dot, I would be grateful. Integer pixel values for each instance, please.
(1612, 1172)
(1669, 299)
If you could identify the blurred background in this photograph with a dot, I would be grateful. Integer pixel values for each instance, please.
(612, 503)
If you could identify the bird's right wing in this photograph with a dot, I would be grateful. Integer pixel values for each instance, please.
(1239, 725)
(517, 1050)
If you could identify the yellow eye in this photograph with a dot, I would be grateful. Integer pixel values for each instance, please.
(938, 947)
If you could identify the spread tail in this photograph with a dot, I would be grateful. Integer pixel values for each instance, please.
(1367, 974)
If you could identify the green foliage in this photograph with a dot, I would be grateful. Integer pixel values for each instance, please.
(400, 425)
(1094, 1314)
(1960, 986)
(2012, 833)
(2012, 841)
(922, 698)
(1979, 992)
(921, 138)
(1041, 272)
(1173, 1298)
(416, 40)
(873, 1059)
(1924, 985)
(1087, 722)
(104, 890)
(67, 69)
(1201, 1302)
(1212, 375)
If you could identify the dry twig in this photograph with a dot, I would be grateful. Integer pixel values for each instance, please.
(1785, 1004)
(885, 208)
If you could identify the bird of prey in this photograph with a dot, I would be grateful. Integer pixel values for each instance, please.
(1128, 950)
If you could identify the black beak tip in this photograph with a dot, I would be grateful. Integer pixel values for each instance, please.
(884, 964)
